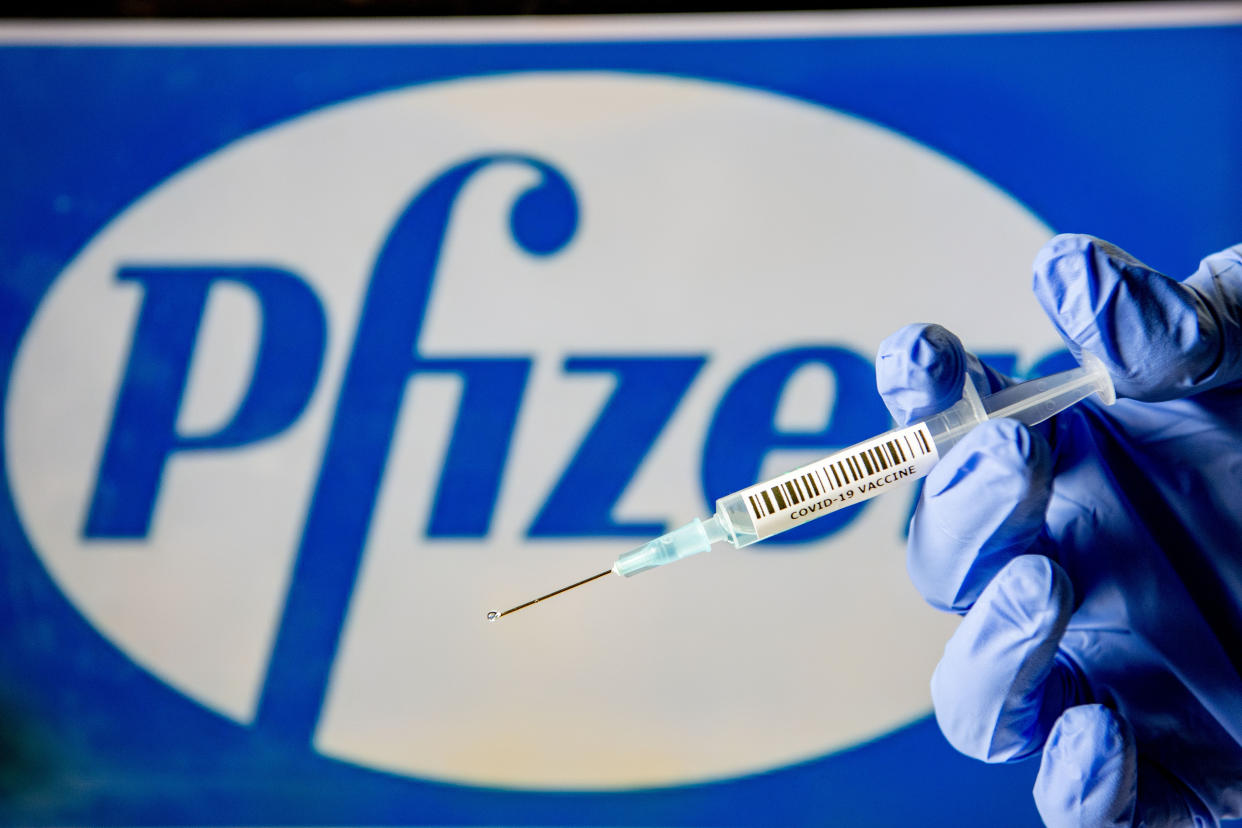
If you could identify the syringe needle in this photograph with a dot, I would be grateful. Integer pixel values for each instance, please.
(496, 616)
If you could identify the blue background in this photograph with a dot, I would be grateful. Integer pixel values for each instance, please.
(1134, 136)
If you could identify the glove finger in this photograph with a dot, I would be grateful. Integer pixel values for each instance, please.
(919, 371)
(999, 686)
(1090, 775)
(982, 504)
(1160, 340)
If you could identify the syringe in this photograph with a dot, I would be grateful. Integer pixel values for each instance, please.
(857, 473)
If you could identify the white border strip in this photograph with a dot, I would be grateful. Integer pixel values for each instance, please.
(611, 28)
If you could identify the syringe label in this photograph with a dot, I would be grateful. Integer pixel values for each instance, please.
(842, 479)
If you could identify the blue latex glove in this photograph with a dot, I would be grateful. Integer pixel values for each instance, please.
(1098, 557)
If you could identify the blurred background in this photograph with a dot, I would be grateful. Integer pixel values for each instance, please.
(328, 327)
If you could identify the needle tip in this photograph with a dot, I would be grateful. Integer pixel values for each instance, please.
(496, 616)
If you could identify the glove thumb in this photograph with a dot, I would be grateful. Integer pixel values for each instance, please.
(1160, 339)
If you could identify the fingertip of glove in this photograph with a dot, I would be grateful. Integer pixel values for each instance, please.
(985, 499)
(1033, 595)
(1089, 771)
(990, 687)
(919, 370)
(1068, 281)
(1006, 433)
(1002, 453)
(1059, 246)
(1154, 335)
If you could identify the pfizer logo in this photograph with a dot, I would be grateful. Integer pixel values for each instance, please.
(294, 422)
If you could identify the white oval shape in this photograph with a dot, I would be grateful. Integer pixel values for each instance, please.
(715, 220)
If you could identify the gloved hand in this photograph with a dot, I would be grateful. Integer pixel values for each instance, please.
(1097, 558)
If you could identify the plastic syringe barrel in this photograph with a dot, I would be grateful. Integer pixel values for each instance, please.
(944, 428)
(1029, 402)
(1036, 400)
(956, 421)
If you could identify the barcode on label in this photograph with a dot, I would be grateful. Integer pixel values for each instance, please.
(825, 480)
